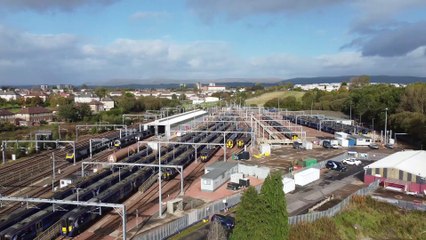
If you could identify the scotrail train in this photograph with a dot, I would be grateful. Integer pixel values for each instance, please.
(84, 151)
(105, 187)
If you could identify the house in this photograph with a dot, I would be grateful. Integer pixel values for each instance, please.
(403, 171)
(115, 94)
(85, 97)
(34, 94)
(9, 95)
(96, 106)
(6, 116)
(34, 115)
(108, 103)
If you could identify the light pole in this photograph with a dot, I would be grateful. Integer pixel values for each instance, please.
(386, 124)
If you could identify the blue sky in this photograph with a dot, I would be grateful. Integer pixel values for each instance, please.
(100, 41)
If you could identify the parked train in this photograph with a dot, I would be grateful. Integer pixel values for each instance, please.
(103, 186)
(80, 218)
(84, 151)
(326, 124)
(280, 128)
(243, 141)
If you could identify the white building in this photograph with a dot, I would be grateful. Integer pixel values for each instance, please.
(320, 86)
(197, 100)
(108, 103)
(9, 95)
(85, 97)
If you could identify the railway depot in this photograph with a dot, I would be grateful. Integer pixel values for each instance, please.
(221, 152)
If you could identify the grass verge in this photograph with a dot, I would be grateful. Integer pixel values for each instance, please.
(262, 99)
(365, 218)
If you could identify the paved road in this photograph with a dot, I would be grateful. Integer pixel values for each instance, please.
(304, 197)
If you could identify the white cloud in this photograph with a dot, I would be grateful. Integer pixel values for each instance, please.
(25, 58)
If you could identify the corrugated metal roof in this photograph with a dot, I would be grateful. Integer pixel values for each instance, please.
(221, 165)
(213, 174)
(413, 162)
(180, 117)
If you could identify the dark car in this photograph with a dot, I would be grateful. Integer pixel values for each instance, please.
(226, 221)
(326, 144)
(334, 165)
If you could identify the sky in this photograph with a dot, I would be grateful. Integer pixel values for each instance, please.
(103, 42)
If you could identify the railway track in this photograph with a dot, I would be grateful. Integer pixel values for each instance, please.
(42, 187)
(20, 172)
(149, 199)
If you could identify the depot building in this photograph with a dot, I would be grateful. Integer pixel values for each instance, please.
(403, 171)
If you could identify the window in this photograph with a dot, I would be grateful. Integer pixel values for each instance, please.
(206, 182)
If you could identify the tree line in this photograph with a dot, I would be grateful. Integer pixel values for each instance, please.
(366, 103)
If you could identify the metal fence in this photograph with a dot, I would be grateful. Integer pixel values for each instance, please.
(190, 218)
(197, 215)
(402, 204)
(310, 217)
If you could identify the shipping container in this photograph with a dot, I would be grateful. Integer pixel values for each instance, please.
(309, 162)
(288, 185)
(307, 176)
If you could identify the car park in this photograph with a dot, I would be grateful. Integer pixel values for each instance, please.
(226, 221)
(352, 161)
(334, 165)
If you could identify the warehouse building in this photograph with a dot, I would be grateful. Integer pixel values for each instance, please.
(403, 171)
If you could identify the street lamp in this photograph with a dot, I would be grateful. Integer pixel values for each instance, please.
(386, 124)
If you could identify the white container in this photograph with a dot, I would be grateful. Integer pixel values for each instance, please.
(262, 172)
(343, 142)
(289, 185)
(13, 157)
(235, 177)
(391, 141)
(265, 149)
(307, 176)
(307, 145)
(246, 169)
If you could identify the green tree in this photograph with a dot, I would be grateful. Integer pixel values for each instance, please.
(275, 208)
(101, 92)
(68, 112)
(249, 220)
(126, 102)
(413, 99)
(84, 111)
(359, 81)
(182, 97)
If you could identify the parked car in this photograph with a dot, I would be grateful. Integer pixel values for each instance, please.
(373, 146)
(390, 146)
(352, 161)
(326, 144)
(336, 146)
(226, 221)
(334, 165)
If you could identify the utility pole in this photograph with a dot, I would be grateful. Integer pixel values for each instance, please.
(386, 124)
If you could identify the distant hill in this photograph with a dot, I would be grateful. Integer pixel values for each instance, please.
(240, 82)
(377, 78)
